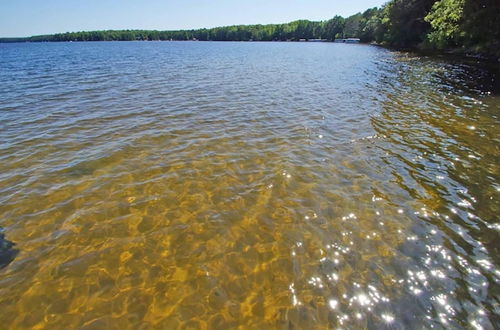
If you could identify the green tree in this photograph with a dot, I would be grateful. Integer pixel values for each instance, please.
(369, 26)
(352, 26)
(404, 22)
(446, 18)
(333, 27)
(481, 26)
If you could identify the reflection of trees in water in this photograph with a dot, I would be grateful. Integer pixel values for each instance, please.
(7, 252)
(468, 76)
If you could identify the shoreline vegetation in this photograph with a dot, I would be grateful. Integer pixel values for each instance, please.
(457, 27)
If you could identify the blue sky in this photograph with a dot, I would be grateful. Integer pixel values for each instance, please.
(31, 17)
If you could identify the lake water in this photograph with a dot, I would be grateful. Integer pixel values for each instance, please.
(263, 185)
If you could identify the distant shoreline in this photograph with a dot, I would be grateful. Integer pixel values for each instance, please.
(465, 28)
(449, 53)
(257, 41)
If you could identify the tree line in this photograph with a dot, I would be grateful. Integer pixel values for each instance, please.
(434, 24)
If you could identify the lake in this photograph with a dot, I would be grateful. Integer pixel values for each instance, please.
(263, 185)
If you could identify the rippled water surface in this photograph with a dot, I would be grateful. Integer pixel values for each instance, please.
(264, 185)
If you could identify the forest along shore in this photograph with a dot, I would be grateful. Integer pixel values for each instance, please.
(450, 26)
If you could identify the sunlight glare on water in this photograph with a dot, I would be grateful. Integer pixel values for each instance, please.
(263, 185)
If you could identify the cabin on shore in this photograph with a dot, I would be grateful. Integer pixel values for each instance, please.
(348, 40)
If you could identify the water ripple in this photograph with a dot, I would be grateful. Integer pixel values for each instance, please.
(183, 184)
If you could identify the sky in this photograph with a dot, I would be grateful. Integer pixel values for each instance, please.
(20, 18)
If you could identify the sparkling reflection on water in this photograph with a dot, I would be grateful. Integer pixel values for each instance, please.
(210, 185)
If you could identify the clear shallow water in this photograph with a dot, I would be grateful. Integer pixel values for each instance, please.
(216, 185)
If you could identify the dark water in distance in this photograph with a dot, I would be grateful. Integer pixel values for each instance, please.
(263, 185)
